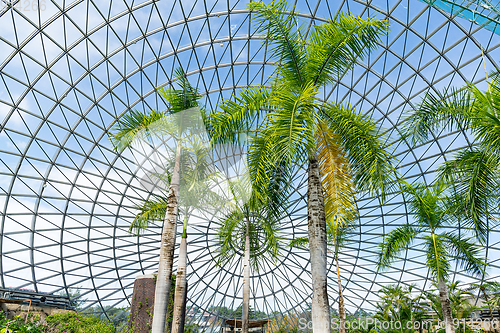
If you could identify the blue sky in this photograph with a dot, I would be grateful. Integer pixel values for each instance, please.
(67, 71)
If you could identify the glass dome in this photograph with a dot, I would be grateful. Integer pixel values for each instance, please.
(69, 69)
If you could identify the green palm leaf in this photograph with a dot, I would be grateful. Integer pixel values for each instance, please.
(227, 236)
(486, 114)
(339, 235)
(474, 175)
(394, 243)
(426, 204)
(466, 253)
(149, 211)
(187, 97)
(300, 243)
(135, 126)
(276, 21)
(450, 109)
(292, 126)
(270, 172)
(263, 234)
(335, 46)
(238, 118)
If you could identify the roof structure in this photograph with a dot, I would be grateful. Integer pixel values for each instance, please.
(69, 69)
(482, 12)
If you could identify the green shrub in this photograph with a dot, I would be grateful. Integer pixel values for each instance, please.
(19, 325)
(71, 322)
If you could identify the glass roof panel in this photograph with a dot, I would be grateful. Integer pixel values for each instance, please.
(69, 69)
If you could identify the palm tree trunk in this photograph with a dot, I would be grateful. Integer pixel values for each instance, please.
(341, 301)
(180, 282)
(483, 289)
(162, 290)
(246, 282)
(317, 249)
(446, 307)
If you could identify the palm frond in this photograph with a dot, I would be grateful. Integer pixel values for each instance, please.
(229, 239)
(278, 23)
(278, 190)
(466, 253)
(474, 175)
(336, 45)
(292, 125)
(187, 97)
(365, 147)
(134, 126)
(425, 203)
(263, 159)
(237, 118)
(448, 109)
(265, 234)
(241, 193)
(300, 243)
(486, 114)
(338, 186)
(394, 243)
(149, 211)
(339, 235)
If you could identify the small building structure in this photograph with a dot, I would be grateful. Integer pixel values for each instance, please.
(234, 325)
(21, 302)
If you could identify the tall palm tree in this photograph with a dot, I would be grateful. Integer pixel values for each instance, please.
(474, 171)
(196, 193)
(338, 232)
(493, 291)
(338, 237)
(251, 220)
(487, 289)
(290, 126)
(491, 294)
(429, 205)
(460, 303)
(136, 126)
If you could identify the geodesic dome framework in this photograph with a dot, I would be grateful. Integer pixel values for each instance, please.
(68, 70)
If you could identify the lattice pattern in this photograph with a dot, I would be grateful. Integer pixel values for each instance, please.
(69, 69)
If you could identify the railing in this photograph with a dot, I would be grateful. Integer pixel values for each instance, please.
(39, 299)
(485, 314)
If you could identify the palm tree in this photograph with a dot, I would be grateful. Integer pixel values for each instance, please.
(484, 288)
(493, 290)
(251, 220)
(429, 206)
(289, 126)
(195, 192)
(337, 234)
(474, 171)
(135, 126)
(398, 304)
(394, 299)
(460, 303)
(491, 294)
(338, 237)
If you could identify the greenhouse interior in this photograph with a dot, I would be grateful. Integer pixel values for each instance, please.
(250, 166)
